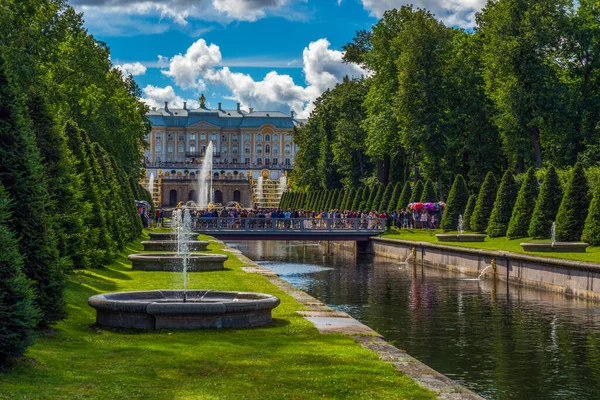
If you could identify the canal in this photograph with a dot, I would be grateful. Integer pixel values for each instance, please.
(499, 340)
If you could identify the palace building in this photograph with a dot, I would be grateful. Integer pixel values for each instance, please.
(252, 151)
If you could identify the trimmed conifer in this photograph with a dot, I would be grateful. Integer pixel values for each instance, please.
(457, 202)
(385, 200)
(392, 204)
(348, 199)
(591, 230)
(574, 207)
(365, 199)
(484, 205)
(18, 313)
(546, 206)
(469, 212)
(377, 198)
(22, 175)
(134, 220)
(358, 195)
(522, 212)
(417, 191)
(428, 195)
(333, 199)
(405, 197)
(503, 206)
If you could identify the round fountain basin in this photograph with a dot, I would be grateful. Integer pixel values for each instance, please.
(558, 247)
(171, 245)
(173, 262)
(460, 237)
(165, 309)
(161, 236)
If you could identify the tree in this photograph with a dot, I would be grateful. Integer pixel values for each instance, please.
(405, 196)
(428, 195)
(385, 199)
(417, 192)
(22, 175)
(366, 194)
(574, 206)
(377, 198)
(457, 202)
(522, 212)
(376, 191)
(546, 206)
(469, 212)
(358, 196)
(393, 202)
(484, 205)
(591, 230)
(503, 206)
(18, 314)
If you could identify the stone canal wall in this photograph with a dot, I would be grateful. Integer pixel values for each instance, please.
(574, 278)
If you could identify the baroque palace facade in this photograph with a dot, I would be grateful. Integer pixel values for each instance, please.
(252, 151)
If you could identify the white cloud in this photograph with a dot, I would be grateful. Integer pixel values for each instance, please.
(134, 69)
(156, 97)
(186, 69)
(247, 10)
(451, 12)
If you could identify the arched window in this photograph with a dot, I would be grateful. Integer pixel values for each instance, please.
(170, 136)
(192, 195)
(158, 136)
(192, 147)
(234, 149)
(259, 148)
(288, 149)
(193, 136)
(223, 149)
(267, 138)
(267, 149)
(237, 196)
(247, 136)
(276, 137)
(218, 197)
(158, 147)
(192, 175)
(216, 175)
(223, 138)
(170, 147)
(276, 148)
(287, 137)
(181, 136)
(180, 148)
(214, 137)
(203, 136)
(234, 138)
(258, 137)
(173, 198)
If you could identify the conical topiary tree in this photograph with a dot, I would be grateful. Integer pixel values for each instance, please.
(405, 196)
(349, 199)
(521, 215)
(372, 195)
(392, 204)
(334, 199)
(18, 314)
(457, 201)
(469, 212)
(385, 200)
(355, 206)
(574, 207)
(503, 206)
(591, 230)
(417, 191)
(377, 199)
(546, 206)
(428, 195)
(484, 205)
(366, 193)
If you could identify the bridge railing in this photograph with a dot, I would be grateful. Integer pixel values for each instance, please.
(288, 224)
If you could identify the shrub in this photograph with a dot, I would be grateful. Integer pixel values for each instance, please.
(378, 197)
(522, 212)
(484, 205)
(417, 191)
(469, 212)
(357, 199)
(574, 206)
(457, 201)
(385, 200)
(591, 230)
(369, 203)
(393, 203)
(546, 206)
(503, 206)
(405, 196)
(349, 200)
(428, 195)
(364, 199)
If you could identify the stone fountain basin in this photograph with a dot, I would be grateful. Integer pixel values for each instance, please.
(460, 237)
(165, 309)
(173, 262)
(160, 236)
(171, 245)
(558, 247)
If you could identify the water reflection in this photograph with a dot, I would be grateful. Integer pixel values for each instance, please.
(500, 341)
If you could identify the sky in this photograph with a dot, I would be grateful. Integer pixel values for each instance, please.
(271, 55)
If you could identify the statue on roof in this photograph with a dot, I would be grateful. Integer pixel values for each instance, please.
(202, 100)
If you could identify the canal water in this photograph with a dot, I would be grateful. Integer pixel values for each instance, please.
(499, 340)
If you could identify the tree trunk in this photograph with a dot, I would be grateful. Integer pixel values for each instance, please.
(537, 146)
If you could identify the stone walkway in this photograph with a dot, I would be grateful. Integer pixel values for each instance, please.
(327, 320)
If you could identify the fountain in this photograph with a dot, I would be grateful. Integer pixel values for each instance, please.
(259, 190)
(205, 179)
(151, 186)
(554, 246)
(182, 309)
(461, 236)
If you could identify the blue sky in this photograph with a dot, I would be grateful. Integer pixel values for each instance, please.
(265, 54)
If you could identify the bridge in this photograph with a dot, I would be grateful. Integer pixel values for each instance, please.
(342, 229)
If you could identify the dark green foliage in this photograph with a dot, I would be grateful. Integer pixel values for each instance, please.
(405, 197)
(522, 212)
(484, 205)
(355, 206)
(417, 191)
(134, 221)
(546, 206)
(333, 200)
(366, 194)
(18, 314)
(428, 195)
(457, 202)
(392, 204)
(374, 203)
(350, 199)
(282, 200)
(503, 206)
(591, 230)
(22, 175)
(385, 200)
(469, 212)
(574, 206)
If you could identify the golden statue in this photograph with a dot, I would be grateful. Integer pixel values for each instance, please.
(202, 100)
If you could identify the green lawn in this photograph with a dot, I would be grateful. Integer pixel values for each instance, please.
(287, 360)
(502, 244)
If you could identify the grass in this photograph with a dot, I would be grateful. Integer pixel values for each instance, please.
(502, 244)
(286, 360)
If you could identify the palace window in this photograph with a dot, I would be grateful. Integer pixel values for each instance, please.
(247, 136)
(203, 148)
(259, 137)
(192, 148)
(259, 161)
(288, 149)
(181, 136)
(158, 136)
(259, 148)
(274, 161)
(276, 148)
(203, 136)
(223, 149)
(247, 149)
(234, 149)
(223, 138)
(288, 162)
(158, 147)
(170, 147)
(267, 138)
(267, 149)
(180, 148)
(267, 161)
(234, 138)
(287, 137)
(246, 161)
(192, 136)
(214, 137)
(170, 136)
(276, 137)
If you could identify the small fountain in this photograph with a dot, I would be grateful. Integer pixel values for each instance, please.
(461, 236)
(205, 179)
(554, 246)
(259, 190)
(151, 186)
